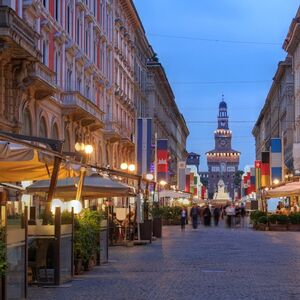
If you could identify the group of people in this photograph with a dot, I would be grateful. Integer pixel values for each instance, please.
(286, 209)
(234, 215)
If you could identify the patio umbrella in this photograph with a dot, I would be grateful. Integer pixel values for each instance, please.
(94, 186)
(21, 163)
(289, 189)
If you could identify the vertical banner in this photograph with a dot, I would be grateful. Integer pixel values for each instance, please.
(187, 180)
(252, 180)
(181, 175)
(162, 160)
(265, 169)
(144, 150)
(257, 175)
(276, 159)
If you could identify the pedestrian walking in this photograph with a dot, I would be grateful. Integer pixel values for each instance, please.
(207, 216)
(230, 213)
(194, 216)
(216, 214)
(243, 214)
(183, 217)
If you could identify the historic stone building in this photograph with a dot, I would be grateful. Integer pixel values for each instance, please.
(222, 161)
(277, 116)
(168, 122)
(292, 47)
(78, 71)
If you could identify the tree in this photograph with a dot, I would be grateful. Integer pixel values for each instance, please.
(238, 178)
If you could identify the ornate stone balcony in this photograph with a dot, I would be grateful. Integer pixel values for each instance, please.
(81, 108)
(127, 137)
(16, 35)
(112, 131)
(43, 81)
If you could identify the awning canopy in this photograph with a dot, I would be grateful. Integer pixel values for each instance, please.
(21, 163)
(289, 189)
(173, 194)
(94, 186)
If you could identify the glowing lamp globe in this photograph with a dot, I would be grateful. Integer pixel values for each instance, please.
(131, 168)
(76, 205)
(124, 166)
(55, 203)
(88, 149)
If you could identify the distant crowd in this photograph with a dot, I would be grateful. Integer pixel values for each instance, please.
(232, 214)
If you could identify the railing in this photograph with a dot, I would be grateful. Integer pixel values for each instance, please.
(44, 73)
(74, 98)
(16, 27)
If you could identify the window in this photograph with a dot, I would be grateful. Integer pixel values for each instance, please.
(57, 67)
(78, 30)
(43, 128)
(69, 80)
(45, 52)
(57, 10)
(69, 18)
(55, 134)
(78, 83)
(26, 128)
(86, 38)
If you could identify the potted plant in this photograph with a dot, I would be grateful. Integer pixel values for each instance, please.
(294, 224)
(278, 222)
(255, 215)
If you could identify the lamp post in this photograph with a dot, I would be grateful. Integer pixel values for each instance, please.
(129, 168)
(86, 150)
(162, 183)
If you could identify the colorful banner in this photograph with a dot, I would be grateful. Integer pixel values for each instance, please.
(144, 151)
(265, 169)
(162, 159)
(181, 175)
(257, 175)
(252, 180)
(276, 160)
(187, 183)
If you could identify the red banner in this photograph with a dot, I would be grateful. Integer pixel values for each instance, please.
(162, 161)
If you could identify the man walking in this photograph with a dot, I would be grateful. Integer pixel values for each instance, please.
(194, 216)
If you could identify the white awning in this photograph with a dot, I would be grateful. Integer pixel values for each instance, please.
(289, 189)
(173, 194)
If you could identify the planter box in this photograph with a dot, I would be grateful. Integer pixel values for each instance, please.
(157, 227)
(171, 222)
(78, 266)
(261, 227)
(146, 230)
(294, 227)
(278, 227)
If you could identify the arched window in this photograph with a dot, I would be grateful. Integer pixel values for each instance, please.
(43, 128)
(26, 128)
(67, 141)
(69, 80)
(69, 18)
(57, 67)
(55, 134)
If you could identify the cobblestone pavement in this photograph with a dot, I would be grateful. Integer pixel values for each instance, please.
(207, 263)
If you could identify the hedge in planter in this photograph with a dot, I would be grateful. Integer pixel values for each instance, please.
(255, 215)
(294, 218)
(3, 263)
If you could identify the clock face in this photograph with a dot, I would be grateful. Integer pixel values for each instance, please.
(223, 123)
(222, 142)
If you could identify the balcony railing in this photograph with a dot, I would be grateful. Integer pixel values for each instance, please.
(78, 101)
(44, 73)
(13, 28)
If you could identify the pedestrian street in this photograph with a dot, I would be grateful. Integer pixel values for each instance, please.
(206, 263)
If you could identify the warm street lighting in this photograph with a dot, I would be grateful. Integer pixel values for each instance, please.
(149, 177)
(124, 166)
(162, 182)
(76, 205)
(88, 149)
(79, 146)
(131, 168)
(55, 203)
(276, 181)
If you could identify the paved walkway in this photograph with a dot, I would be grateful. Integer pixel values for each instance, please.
(208, 263)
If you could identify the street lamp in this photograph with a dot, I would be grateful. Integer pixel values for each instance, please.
(276, 181)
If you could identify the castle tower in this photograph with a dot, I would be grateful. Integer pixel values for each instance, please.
(222, 161)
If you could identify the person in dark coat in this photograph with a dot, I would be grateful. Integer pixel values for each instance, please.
(194, 213)
(207, 216)
(216, 213)
(183, 217)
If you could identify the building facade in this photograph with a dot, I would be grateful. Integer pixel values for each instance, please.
(277, 117)
(83, 71)
(168, 122)
(292, 46)
(222, 161)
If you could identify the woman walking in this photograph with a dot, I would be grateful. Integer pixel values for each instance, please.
(207, 216)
